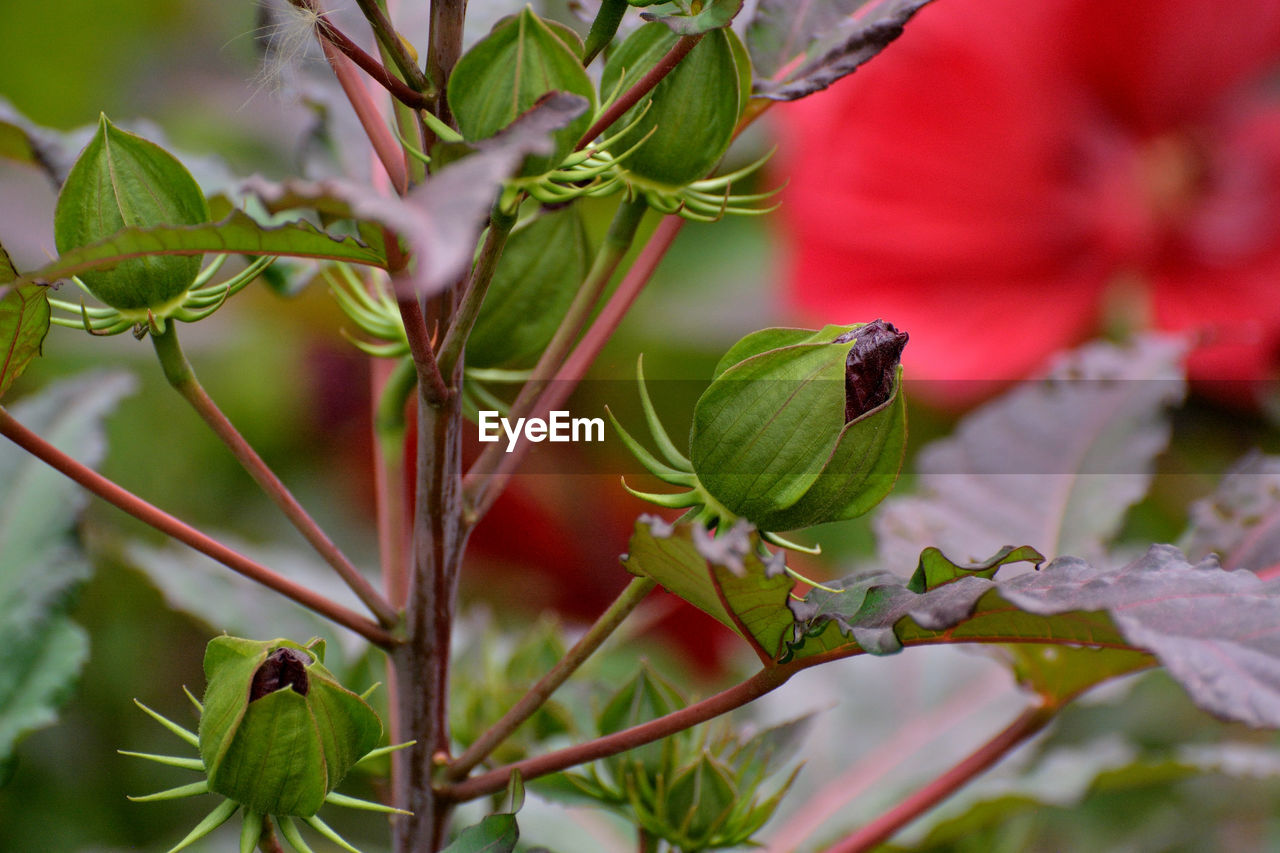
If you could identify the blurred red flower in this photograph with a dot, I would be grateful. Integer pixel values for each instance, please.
(1012, 176)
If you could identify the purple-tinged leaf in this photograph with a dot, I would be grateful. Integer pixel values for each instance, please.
(1240, 522)
(1053, 463)
(1215, 631)
(724, 576)
(782, 30)
(441, 219)
(841, 52)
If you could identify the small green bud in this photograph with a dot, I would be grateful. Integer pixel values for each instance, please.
(119, 181)
(541, 267)
(645, 697)
(506, 72)
(800, 428)
(699, 803)
(690, 116)
(278, 732)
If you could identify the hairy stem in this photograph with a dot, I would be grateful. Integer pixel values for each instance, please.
(488, 476)
(267, 842)
(1028, 723)
(140, 509)
(608, 622)
(473, 293)
(178, 372)
(640, 88)
(764, 681)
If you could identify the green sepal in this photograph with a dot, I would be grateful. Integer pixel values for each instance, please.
(770, 441)
(212, 821)
(507, 71)
(250, 831)
(283, 752)
(124, 181)
(690, 116)
(543, 263)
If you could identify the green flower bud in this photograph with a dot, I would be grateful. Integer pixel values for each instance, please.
(645, 697)
(541, 267)
(506, 72)
(801, 428)
(699, 803)
(797, 428)
(690, 116)
(278, 732)
(121, 180)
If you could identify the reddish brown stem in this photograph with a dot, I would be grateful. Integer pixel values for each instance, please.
(181, 376)
(179, 530)
(642, 87)
(764, 681)
(384, 143)
(327, 31)
(883, 827)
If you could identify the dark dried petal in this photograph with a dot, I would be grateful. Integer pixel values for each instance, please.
(870, 367)
(283, 668)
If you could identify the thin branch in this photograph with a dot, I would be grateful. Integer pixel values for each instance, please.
(181, 376)
(394, 47)
(1028, 723)
(764, 681)
(443, 49)
(383, 141)
(537, 695)
(434, 389)
(640, 88)
(143, 511)
(327, 31)
(473, 293)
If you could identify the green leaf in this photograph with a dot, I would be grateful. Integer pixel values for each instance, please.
(238, 233)
(497, 833)
(538, 274)
(441, 219)
(41, 565)
(714, 15)
(505, 74)
(24, 322)
(1213, 630)
(723, 576)
(1240, 521)
(935, 569)
(1053, 463)
(840, 51)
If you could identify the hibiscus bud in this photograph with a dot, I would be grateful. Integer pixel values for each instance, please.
(506, 72)
(120, 181)
(686, 124)
(277, 731)
(801, 428)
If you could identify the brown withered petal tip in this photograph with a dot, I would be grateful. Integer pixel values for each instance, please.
(283, 668)
(871, 366)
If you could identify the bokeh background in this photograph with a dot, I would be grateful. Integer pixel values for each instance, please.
(1010, 179)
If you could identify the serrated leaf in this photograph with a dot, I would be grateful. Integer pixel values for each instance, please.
(1241, 520)
(238, 233)
(441, 219)
(24, 322)
(781, 30)
(1053, 463)
(844, 50)
(1213, 630)
(497, 833)
(713, 16)
(936, 569)
(41, 566)
(724, 576)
